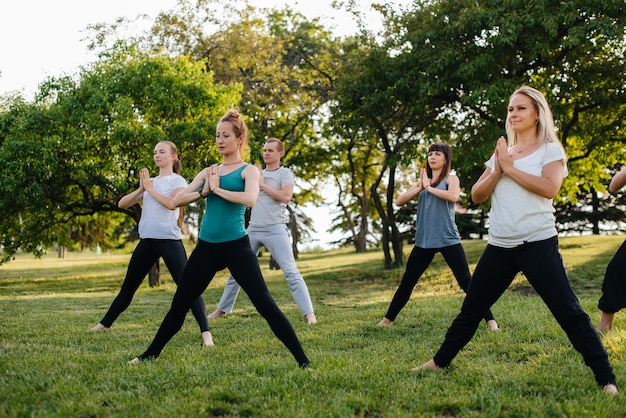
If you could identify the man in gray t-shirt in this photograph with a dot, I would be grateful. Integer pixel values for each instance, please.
(268, 228)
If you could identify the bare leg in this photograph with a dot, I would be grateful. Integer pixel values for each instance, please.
(606, 322)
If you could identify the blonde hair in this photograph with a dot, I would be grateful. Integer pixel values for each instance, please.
(546, 131)
(175, 169)
(239, 129)
(173, 150)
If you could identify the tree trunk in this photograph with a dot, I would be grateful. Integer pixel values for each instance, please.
(385, 227)
(395, 236)
(154, 275)
(295, 233)
(595, 213)
(361, 238)
(273, 264)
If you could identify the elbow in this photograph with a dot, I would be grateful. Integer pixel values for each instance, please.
(177, 202)
(477, 197)
(400, 201)
(550, 195)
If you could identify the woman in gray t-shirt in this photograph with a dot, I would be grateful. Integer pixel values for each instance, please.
(436, 231)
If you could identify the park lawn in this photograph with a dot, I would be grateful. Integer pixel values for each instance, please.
(51, 366)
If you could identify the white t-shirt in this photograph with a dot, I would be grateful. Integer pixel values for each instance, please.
(267, 211)
(517, 215)
(157, 221)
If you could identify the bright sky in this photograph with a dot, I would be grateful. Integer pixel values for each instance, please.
(43, 38)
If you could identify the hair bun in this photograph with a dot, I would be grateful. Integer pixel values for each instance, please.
(233, 113)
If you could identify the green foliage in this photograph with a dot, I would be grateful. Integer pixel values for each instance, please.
(79, 147)
(50, 365)
(470, 56)
(355, 109)
(285, 62)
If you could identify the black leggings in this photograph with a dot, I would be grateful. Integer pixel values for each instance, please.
(418, 262)
(613, 297)
(542, 265)
(206, 260)
(145, 255)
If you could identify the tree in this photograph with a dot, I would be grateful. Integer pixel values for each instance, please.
(466, 58)
(78, 147)
(355, 168)
(285, 63)
(369, 95)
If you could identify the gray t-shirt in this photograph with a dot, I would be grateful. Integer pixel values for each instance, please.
(435, 226)
(266, 210)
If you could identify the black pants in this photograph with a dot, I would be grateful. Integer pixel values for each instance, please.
(206, 260)
(418, 262)
(143, 258)
(543, 266)
(613, 297)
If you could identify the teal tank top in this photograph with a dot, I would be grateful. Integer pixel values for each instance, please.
(223, 220)
(435, 225)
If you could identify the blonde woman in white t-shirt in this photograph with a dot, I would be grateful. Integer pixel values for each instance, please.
(522, 179)
(159, 233)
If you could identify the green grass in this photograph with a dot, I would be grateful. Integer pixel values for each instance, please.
(50, 366)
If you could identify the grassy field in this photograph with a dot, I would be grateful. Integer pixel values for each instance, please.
(51, 366)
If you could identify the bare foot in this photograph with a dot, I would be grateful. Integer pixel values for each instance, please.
(310, 318)
(493, 325)
(611, 389)
(606, 322)
(216, 314)
(429, 365)
(207, 339)
(98, 328)
(135, 361)
(384, 322)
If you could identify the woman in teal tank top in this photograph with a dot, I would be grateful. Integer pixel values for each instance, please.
(223, 242)
(436, 231)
